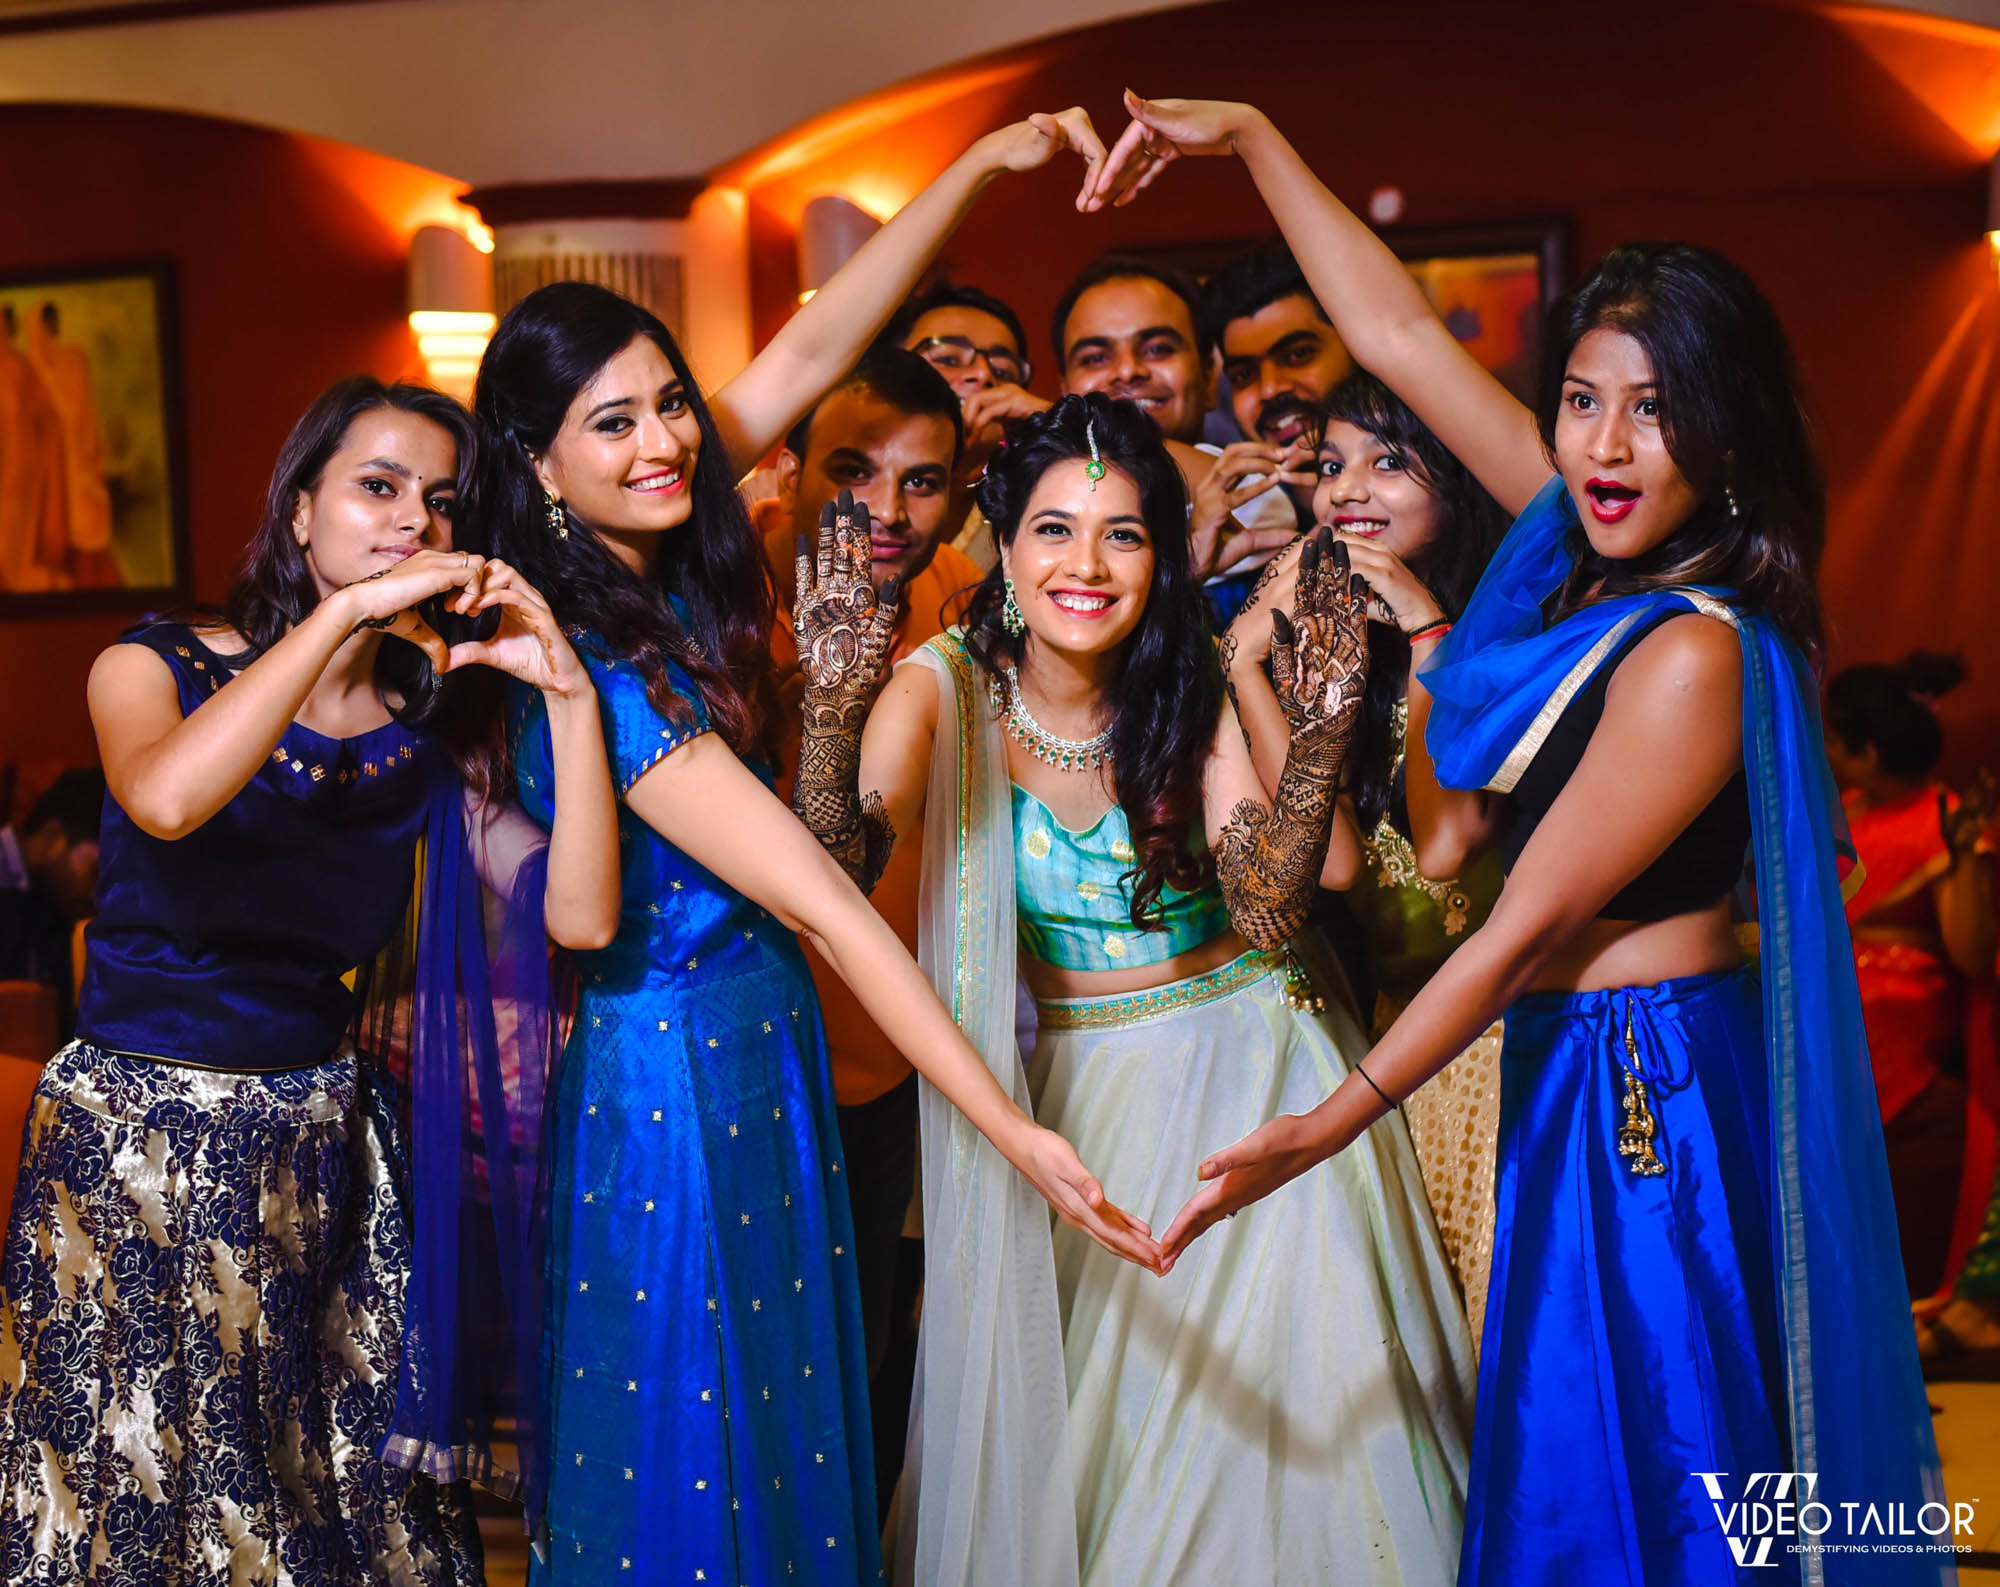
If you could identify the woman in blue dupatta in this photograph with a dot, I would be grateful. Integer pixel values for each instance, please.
(703, 1357)
(1696, 1293)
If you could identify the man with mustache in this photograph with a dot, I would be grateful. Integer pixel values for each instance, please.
(889, 436)
(1280, 358)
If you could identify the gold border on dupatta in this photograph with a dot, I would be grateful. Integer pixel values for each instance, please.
(958, 662)
(1523, 754)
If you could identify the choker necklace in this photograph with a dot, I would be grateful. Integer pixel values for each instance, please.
(1065, 754)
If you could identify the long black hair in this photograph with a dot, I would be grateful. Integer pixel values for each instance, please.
(273, 589)
(1471, 527)
(1890, 707)
(1734, 423)
(1166, 695)
(549, 347)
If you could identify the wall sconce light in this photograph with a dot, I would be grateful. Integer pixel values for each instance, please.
(831, 231)
(451, 306)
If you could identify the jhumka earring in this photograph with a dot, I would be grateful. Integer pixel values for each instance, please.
(1010, 614)
(1735, 511)
(1095, 467)
(558, 518)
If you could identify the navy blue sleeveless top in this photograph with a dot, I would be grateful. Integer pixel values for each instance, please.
(1696, 870)
(226, 947)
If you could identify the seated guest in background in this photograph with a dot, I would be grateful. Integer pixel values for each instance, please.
(887, 436)
(1922, 924)
(48, 882)
(1280, 360)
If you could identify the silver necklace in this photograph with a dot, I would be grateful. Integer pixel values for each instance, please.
(1065, 754)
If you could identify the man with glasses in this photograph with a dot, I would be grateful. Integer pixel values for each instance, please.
(976, 342)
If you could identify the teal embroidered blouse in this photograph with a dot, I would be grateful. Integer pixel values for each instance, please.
(1073, 902)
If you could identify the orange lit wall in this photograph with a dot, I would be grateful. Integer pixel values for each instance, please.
(290, 254)
(1837, 154)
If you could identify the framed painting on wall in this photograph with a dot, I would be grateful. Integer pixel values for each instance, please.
(1491, 284)
(93, 513)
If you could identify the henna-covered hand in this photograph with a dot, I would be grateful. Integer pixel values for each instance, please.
(845, 629)
(1268, 860)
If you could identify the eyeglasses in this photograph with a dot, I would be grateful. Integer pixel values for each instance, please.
(952, 354)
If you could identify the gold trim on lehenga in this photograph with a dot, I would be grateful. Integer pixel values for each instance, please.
(1128, 1008)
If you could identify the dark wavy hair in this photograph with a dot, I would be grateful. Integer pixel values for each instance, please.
(1473, 523)
(549, 347)
(1166, 695)
(1890, 707)
(273, 589)
(1734, 423)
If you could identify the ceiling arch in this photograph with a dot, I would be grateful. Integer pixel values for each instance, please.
(512, 91)
(496, 91)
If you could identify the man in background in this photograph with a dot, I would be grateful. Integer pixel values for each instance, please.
(976, 343)
(891, 434)
(1281, 357)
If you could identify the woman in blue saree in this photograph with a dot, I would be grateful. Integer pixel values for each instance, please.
(706, 1413)
(1695, 1279)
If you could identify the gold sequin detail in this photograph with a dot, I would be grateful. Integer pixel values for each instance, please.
(1090, 892)
(1121, 851)
(1114, 945)
(1454, 1120)
(1038, 844)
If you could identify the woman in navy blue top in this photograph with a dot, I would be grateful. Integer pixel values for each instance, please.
(207, 1258)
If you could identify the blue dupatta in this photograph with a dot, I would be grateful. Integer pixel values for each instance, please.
(1858, 1415)
(472, 1004)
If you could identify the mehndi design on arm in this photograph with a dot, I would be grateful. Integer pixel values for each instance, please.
(844, 628)
(1229, 644)
(1268, 861)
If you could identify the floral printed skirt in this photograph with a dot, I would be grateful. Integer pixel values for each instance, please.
(200, 1323)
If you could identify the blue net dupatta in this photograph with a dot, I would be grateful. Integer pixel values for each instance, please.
(1858, 1416)
(469, 1010)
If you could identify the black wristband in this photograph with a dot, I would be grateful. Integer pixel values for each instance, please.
(1372, 1086)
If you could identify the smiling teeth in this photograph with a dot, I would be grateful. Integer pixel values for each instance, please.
(658, 482)
(1081, 603)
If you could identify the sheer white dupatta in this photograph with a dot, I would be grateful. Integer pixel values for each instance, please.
(988, 1495)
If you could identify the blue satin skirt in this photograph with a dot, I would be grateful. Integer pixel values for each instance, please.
(707, 1380)
(1631, 1335)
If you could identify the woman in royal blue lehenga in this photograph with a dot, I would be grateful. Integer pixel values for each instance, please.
(707, 1414)
(1695, 1278)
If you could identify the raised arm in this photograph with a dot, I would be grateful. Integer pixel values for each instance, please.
(844, 629)
(170, 773)
(1268, 857)
(1682, 685)
(1267, 732)
(1367, 293)
(704, 802)
(821, 342)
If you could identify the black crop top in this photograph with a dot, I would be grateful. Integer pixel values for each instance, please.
(1698, 867)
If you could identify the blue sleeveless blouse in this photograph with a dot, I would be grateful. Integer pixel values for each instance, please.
(1073, 900)
(225, 948)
